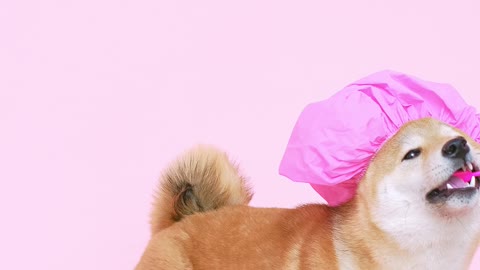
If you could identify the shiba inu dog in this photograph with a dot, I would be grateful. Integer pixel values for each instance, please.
(409, 212)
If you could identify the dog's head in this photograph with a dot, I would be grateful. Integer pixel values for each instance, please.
(409, 186)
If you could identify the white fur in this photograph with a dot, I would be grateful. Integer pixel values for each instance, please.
(346, 260)
(432, 237)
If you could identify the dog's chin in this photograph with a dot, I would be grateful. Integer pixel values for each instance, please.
(454, 195)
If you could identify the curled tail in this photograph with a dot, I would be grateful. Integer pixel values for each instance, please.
(203, 179)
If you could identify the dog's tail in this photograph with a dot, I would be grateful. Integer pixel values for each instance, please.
(203, 179)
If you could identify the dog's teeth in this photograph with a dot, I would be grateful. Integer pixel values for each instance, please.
(472, 182)
(470, 166)
(449, 186)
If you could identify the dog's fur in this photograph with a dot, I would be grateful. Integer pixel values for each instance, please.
(201, 219)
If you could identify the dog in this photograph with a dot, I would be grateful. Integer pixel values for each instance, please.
(409, 212)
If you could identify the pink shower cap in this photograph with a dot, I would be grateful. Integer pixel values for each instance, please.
(334, 139)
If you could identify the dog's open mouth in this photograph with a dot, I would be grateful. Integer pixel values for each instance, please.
(465, 182)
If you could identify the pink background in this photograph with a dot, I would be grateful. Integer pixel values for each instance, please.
(98, 96)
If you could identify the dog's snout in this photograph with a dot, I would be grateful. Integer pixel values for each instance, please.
(456, 148)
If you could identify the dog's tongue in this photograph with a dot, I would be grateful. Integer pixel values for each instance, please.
(457, 181)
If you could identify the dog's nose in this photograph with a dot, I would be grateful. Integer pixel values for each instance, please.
(456, 148)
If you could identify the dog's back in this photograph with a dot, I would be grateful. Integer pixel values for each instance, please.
(200, 221)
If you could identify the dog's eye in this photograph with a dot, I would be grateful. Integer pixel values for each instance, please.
(412, 154)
